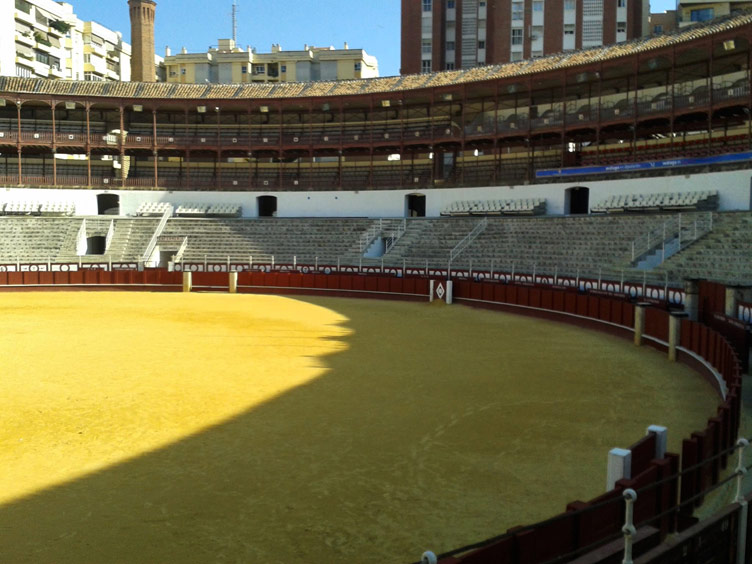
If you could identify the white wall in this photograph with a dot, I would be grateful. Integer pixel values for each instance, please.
(734, 188)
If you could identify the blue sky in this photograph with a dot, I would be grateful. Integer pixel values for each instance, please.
(373, 25)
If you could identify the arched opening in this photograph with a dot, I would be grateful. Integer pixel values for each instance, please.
(96, 245)
(267, 206)
(108, 204)
(416, 205)
(577, 201)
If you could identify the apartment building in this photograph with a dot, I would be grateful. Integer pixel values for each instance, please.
(694, 11)
(45, 39)
(230, 64)
(453, 34)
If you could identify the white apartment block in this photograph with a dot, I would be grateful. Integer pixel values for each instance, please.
(45, 39)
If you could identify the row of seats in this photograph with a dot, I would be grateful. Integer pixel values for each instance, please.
(153, 208)
(524, 206)
(37, 208)
(701, 201)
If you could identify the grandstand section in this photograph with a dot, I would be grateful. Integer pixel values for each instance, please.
(658, 101)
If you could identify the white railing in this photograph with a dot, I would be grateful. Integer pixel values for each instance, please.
(179, 255)
(468, 239)
(160, 227)
(81, 243)
(367, 238)
(674, 230)
(394, 236)
(110, 235)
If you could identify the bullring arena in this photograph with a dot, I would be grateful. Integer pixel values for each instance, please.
(190, 376)
(271, 429)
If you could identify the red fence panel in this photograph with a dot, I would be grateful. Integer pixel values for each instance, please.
(656, 323)
(501, 552)
(643, 452)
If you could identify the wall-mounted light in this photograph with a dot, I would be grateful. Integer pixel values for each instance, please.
(325, 108)
(2, 102)
(138, 108)
(264, 109)
(729, 45)
(70, 105)
(201, 109)
(447, 97)
(385, 103)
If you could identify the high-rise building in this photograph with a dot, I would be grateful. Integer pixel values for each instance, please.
(142, 37)
(693, 11)
(229, 64)
(453, 34)
(45, 39)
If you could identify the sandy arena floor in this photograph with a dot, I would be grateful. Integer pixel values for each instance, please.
(217, 428)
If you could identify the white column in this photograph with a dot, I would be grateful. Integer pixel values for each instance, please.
(233, 282)
(187, 281)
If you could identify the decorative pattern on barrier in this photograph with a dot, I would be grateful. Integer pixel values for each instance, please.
(650, 292)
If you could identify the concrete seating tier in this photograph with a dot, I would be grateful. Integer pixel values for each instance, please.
(224, 210)
(192, 210)
(57, 209)
(21, 208)
(262, 239)
(152, 208)
(705, 200)
(725, 252)
(525, 206)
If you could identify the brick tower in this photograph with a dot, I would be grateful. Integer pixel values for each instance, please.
(142, 40)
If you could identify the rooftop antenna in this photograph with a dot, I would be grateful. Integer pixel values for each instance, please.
(234, 21)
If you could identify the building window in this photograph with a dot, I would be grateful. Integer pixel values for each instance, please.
(450, 4)
(450, 66)
(516, 56)
(87, 58)
(450, 45)
(259, 69)
(621, 27)
(244, 69)
(426, 46)
(426, 5)
(518, 11)
(569, 29)
(425, 66)
(621, 3)
(283, 68)
(538, 6)
(482, 4)
(658, 28)
(702, 15)
(481, 44)
(569, 5)
(182, 71)
(358, 66)
(516, 37)
(23, 72)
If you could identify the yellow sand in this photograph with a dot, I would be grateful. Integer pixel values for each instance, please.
(218, 428)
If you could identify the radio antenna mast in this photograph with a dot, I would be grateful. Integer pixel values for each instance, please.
(235, 21)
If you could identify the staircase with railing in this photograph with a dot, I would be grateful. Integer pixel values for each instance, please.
(674, 235)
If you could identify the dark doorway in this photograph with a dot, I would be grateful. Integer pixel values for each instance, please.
(108, 204)
(416, 205)
(578, 201)
(267, 206)
(96, 245)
